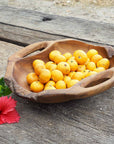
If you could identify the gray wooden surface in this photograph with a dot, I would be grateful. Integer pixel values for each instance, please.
(87, 121)
(27, 26)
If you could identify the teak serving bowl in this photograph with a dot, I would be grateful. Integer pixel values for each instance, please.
(19, 65)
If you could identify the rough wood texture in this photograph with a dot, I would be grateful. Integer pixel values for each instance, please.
(87, 121)
(5, 52)
(28, 26)
(19, 65)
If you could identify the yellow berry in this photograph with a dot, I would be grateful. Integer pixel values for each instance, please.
(59, 58)
(71, 83)
(81, 68)
(72, 58)
(67, 79)
(96, 58)
(60, 84)
(56, 75)
(91, 66)
(91, 73)
(51, 65)
(64, 67)
(91, 53)
(88, 60)
(38, 68)
(36, 86)
(37, 61)
(78, 76)
(103, 63)
(48, 64)
(53, 53)
(85, 72)
(31, 77)
(71, 74)
(80, 57)
(67, 55)
(49, 87)
(50, 83)
(73, 64)
(99, 69)
(45, 76)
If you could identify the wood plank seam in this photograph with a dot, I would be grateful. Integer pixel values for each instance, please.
(25, 44)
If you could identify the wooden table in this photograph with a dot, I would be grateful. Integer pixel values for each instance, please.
(87, 121)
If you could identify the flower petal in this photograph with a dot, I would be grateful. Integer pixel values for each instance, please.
(10, 117)
(1, 122)
(7, 104)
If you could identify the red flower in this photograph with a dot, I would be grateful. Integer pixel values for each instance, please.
(8, 113)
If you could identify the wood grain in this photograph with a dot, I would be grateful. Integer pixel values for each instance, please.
(87, 121)
(27, 26)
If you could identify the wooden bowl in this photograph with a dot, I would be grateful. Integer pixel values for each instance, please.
(19, 65)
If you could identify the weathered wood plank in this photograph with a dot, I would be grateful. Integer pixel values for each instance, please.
(28, 26)
(87, 121)
(5, 51)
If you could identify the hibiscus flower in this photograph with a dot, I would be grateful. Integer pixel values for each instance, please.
(8, 113)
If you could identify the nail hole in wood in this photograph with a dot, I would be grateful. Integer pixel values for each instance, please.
(46, 19)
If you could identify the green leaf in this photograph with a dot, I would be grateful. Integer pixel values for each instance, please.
(4, 90)
(1, 90)
(2, 81)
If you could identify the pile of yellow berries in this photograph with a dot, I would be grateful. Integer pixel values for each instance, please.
(65, 70)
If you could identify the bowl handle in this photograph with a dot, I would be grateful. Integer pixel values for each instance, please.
(20, 54)
(94, 84)
(30, 48)
(110, 51)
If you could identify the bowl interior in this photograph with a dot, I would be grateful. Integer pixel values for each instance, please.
(24, 66)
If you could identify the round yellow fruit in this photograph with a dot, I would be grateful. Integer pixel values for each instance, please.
(36, 86)
(60, 84)
(59, 58)
(71, 74)
(91, 73)
(91, 53)
(81, 68)
(64, 67)
(67, 55)
(31, 77)
(85, 72)
(53, 53)
(78, 76)
(56, 75)
(38, 68)
(50, 83)
(99, 69)
(71, 83)
(67, 79)
(51, 65)
(103, 63)
(44, 76)
(49, 87)
(48, 64)
(96, 58)
(37, 61)
(80, 57)
(88, 60)
(72, 58)
(73, 64)
(91, 66)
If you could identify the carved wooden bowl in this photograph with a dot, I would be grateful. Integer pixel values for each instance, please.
(19, 65)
